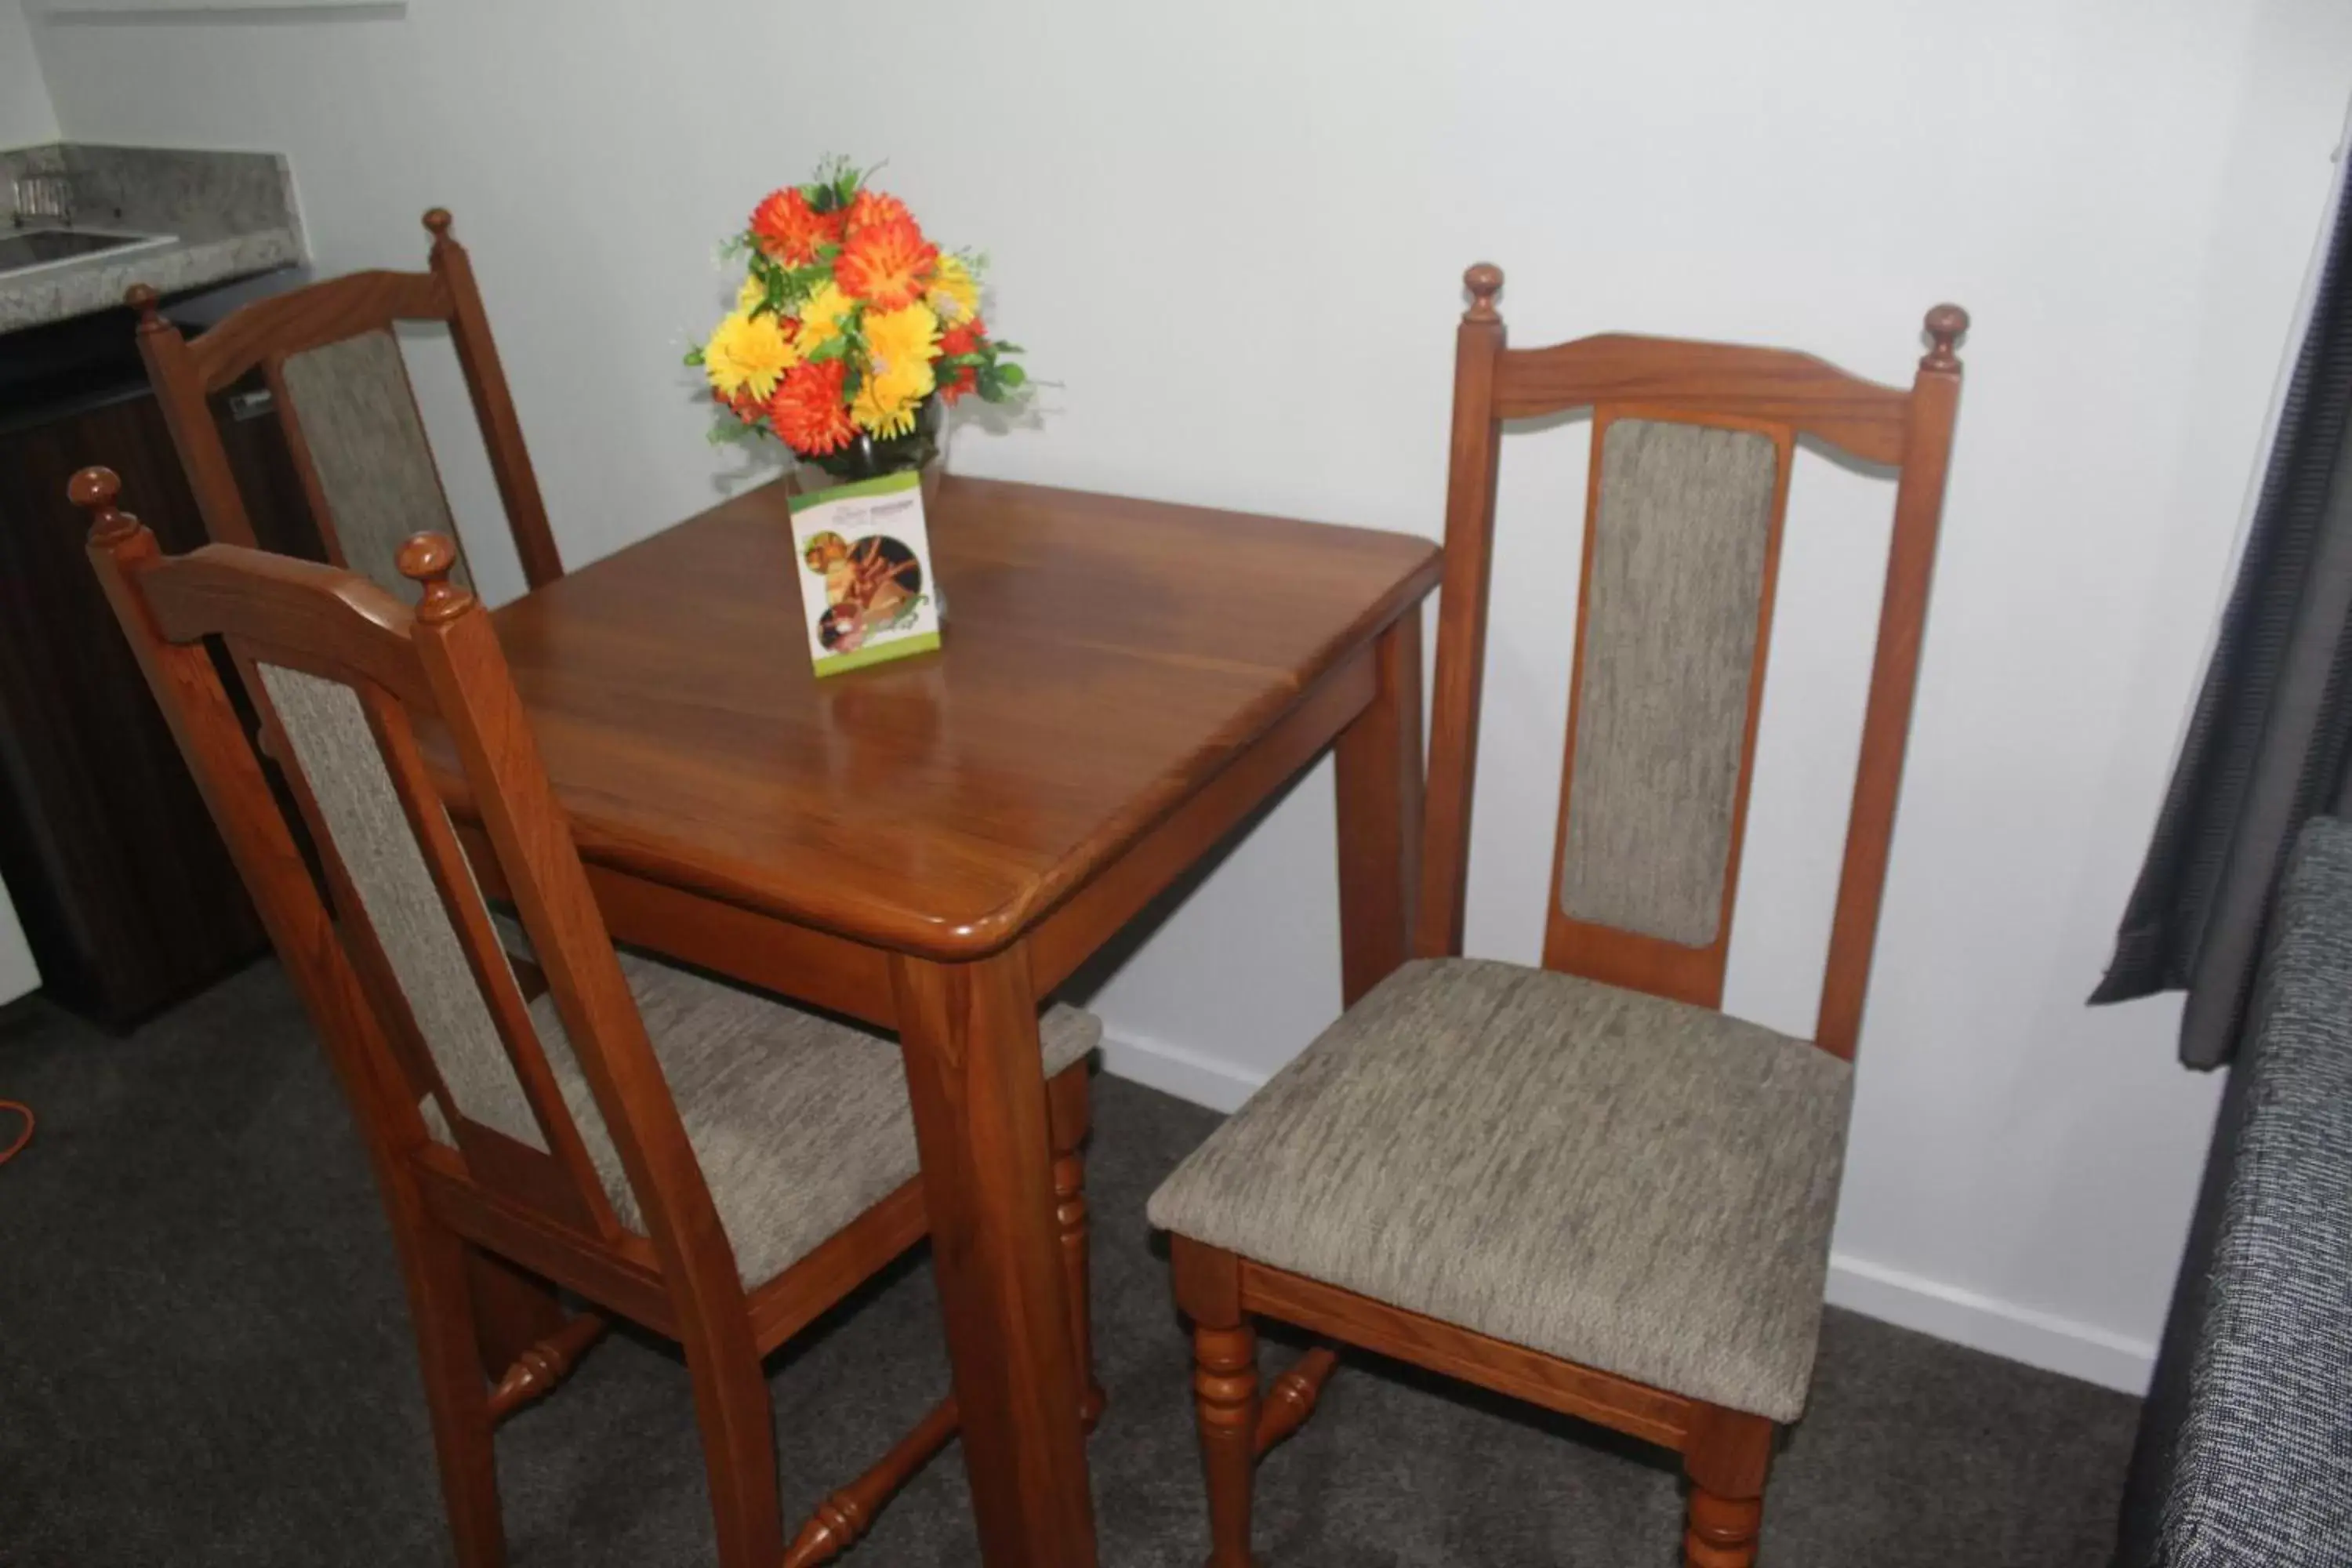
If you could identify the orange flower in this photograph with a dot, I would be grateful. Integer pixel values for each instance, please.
(884, 263)
(962, 340)
(743, 405)
(809, 409)
(957, 380)
(871, 208)
(789, 230)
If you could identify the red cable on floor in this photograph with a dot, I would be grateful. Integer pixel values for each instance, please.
(22, 1137)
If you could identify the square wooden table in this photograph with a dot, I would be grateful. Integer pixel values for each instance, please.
(933, 845)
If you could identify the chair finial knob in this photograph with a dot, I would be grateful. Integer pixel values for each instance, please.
(94, 490)
(426, 560)
(1946, 324)
(1484, 280)
(437, 222)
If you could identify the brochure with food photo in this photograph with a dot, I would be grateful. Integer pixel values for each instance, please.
(865, 573)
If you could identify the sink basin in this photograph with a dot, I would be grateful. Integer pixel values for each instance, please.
(25, 249)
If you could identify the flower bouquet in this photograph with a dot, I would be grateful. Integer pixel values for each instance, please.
(850, 336)
(852, 331)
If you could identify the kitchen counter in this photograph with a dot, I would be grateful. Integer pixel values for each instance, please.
(231, 216)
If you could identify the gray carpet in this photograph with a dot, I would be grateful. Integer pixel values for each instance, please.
(205, 1360)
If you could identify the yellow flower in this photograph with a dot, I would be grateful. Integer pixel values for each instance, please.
(822, 315)
(747, 354)
(899, 347)
(953, 293)
(753, 293)
(903, 341)
(886, 403)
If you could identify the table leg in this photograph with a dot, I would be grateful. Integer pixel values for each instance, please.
(1378, 769)
(977, 1087)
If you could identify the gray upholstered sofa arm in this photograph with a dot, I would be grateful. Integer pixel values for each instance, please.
(2263, 1469)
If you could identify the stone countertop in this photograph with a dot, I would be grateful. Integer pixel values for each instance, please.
(231, 214)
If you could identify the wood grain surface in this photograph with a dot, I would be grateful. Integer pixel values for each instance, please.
(1105, 658)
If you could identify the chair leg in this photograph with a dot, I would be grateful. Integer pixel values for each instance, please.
(737, 1419)
(1726, 1457)
(441, 1299)
(843, 1516)
(513, 1310)
(1224, 1392)
(535, 1374)
(1286, 1405)
(1070, 1116)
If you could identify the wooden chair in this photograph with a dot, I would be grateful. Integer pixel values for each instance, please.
(711, 1164)
(340, 389)
(1583, 1185)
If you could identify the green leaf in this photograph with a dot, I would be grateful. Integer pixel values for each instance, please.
(1011, 375)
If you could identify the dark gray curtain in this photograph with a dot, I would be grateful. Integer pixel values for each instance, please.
(2268, 741)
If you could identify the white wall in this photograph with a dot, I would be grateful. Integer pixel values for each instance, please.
(1231, 235)
(27, 119)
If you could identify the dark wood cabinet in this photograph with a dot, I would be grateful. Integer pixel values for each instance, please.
(126, 894)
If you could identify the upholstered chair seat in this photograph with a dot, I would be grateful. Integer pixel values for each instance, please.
(801, 1122)
(1609, 1177)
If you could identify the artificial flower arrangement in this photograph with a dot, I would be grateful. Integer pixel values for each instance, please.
(852, 330)
(851, 335)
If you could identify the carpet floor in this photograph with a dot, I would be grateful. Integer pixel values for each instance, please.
(204, 1359)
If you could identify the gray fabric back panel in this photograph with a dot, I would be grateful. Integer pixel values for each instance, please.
(338, 756)
(374, 465)
(1669, 642)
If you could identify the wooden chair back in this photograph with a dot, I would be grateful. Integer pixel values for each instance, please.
(415, 995)
(343, 395)
(1686, 497)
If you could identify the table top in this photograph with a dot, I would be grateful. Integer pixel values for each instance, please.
(1103, 658)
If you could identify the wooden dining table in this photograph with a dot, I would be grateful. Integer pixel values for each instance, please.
(935, 844)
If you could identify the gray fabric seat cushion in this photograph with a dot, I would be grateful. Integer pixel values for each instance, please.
(1625, 1181)
(801, 1122)
(2262, 1469)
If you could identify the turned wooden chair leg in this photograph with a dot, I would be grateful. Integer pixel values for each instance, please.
(1070, 1114)
(1225, 1403)
(1224, 1392)
(1726, 1457)
(543, 1363)
(843, 1517)
(1292, 1399)
(513, 1310)
(449, 1354)
(529, 1344)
